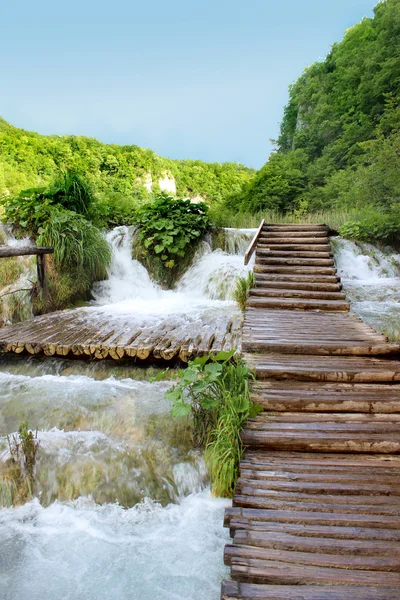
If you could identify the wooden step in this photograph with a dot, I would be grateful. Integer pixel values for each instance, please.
(295, 247)
(292, 242)
(316, 262)
(322, 348)
(296, 293)
(325, 433)
(297, 304)
(327, 397)
(234, 590)
(295, 227)
(293, 270)
(285, 568)
(265, 284)
(325, 368)
(296, 543)
(302, 517)
(317, 233)
(293, 254)
(296, 278)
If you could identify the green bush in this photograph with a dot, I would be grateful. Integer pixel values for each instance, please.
(169, 231)
(219, 401)
(77, 243)
(384, 227)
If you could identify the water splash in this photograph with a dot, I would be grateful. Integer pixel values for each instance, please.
(371, 280)
(206, 286)
(83, 550)
(237, 240)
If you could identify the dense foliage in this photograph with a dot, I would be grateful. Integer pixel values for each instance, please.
(339, 145)
(59, 216)
(121, 176)
(169, 231)
(215, 391)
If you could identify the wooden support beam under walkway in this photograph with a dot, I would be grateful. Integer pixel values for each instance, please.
(316, 513)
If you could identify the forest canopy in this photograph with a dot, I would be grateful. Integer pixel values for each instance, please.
(339, 142)
(119, 175)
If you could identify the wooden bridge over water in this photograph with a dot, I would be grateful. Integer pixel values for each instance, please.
(316, 514)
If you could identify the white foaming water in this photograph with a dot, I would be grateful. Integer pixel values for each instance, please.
(84, 551)
(206, 285)
(371, 280)
(237, 240)
(124, 508)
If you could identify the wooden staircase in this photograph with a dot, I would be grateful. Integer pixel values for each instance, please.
(316, 513)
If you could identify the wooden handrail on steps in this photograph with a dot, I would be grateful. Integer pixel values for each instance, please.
(253, 245)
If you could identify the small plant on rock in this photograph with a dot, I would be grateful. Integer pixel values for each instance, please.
(242, 289)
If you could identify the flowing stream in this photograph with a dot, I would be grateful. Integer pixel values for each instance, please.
(371, 280)
(120, 507)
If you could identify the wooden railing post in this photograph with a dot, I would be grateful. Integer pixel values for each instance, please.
(41, 273)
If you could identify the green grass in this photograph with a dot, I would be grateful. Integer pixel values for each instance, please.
(334, 218)
(10, 270)
(243, 287)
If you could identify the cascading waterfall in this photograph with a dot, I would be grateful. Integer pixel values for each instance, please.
(206, 286)
(371, 280)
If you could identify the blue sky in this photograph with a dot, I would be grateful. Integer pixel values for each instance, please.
(204, 80)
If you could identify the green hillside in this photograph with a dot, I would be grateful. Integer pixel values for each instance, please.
(339, 143)
(31, 160)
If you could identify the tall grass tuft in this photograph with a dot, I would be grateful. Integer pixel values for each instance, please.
(218, 389)
(243, 287)
(72, 191)
(77, 243)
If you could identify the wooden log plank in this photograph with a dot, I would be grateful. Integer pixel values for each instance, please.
(235, 590)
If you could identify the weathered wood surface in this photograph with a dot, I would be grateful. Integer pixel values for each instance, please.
(253, 244)
(90, 333)
(316, 513)
(9, 251)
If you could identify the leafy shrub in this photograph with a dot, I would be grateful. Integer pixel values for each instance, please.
(32, 207)
(219, 401)
(383, 227)
(243, 287)
(169, 231)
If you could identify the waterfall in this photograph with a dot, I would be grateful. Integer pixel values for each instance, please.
(127, 278)
(371, 280)
(207, 284)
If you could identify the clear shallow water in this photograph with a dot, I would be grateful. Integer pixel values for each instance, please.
(371, 280)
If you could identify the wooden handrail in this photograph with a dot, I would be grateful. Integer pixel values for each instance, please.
(252, 247)
(8, 251)
(39, 251)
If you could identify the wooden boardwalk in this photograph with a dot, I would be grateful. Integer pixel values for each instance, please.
(316, 513)
(92, 333)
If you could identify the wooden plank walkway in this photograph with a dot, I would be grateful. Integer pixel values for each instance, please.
(316, 513)
(91, 333)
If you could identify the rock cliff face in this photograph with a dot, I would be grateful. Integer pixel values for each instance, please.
(167, 183)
